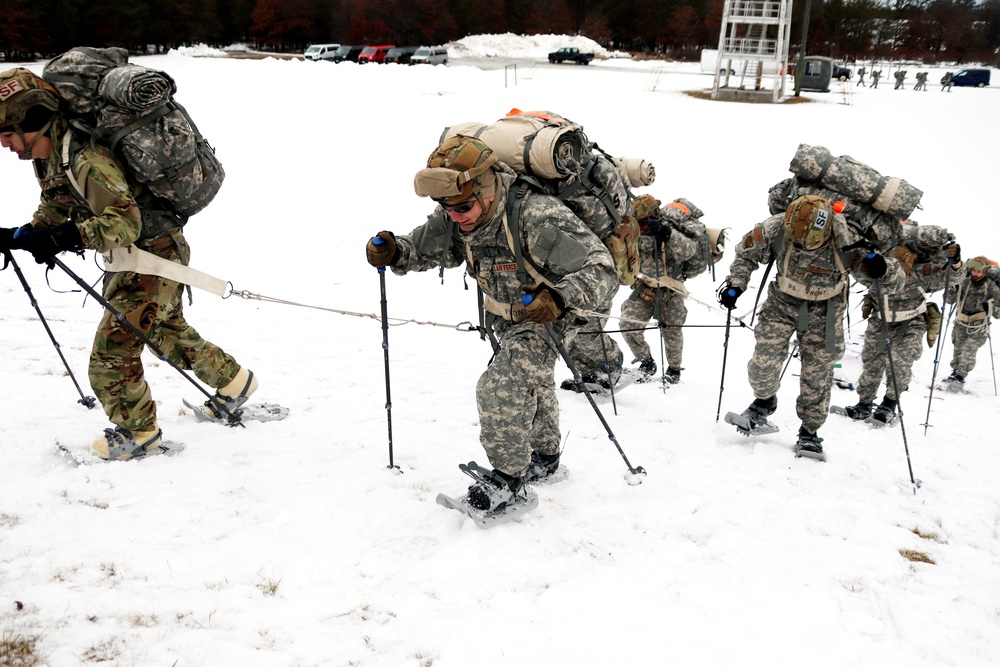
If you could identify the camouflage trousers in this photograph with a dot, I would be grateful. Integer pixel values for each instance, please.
(591, 349)
(154, 306)
(637, 312)
(782, 316)
(966, 342)
(907, 338)
(516, 396)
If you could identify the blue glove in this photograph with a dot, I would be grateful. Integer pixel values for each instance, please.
(728, 294)
(874, 265)
(44, 243)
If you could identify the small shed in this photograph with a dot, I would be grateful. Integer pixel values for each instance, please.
(816, 74)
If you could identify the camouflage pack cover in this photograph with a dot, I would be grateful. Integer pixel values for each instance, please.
(847, 176)
(131, 109)
(685, 216)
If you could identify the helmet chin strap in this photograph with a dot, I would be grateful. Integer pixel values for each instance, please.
(25, 153)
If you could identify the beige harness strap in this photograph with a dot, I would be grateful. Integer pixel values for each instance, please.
(139, 261)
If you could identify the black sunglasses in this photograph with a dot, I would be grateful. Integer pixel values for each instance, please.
(460, 207)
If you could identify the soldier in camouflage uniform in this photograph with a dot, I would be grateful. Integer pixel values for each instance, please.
(925, 257)
(978, 299)
(115, 213)
(900, 79)
(876, 75)
(559, 261)
(809, 245)
(663, 253)
(921, 81)
(861, 76)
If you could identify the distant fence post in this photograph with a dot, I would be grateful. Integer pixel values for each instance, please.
(514, 75)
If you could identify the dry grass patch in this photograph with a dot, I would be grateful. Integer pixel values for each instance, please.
(916, 556)
(18, 651)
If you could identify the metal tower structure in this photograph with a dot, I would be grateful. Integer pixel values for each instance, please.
(753, 50)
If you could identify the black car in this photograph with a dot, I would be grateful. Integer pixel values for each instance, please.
(400, 54)
(347, 52)
(841, 73)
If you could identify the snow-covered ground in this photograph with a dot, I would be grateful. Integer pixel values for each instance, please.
(292, 544)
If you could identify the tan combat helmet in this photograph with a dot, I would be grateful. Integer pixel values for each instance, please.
(458, 170)
(646, 206)
(980, 264)
(809, 222)
(27, 104)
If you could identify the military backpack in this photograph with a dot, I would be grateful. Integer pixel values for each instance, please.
(132, 110)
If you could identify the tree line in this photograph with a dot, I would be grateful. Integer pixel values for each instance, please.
(932, 31)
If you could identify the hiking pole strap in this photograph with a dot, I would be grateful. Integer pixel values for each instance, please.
(88, 401)
(232, 419)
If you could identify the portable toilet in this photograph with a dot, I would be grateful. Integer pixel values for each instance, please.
(816, 74)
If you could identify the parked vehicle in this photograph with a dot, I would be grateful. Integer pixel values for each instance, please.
(375, 54)
(572, 54)
(347, 52)
(430, 55)
(400, 54)
(816, 74)
(321, 51)
(841, 73)
(972, 77)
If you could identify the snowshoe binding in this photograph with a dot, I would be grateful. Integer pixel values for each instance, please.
(672, 375)
(544, 469)
(494, 498)
(647, 370)
(884, 414)
(753, 420)
(954, 382)
(809, 446)
(859, 412)
(229, 405)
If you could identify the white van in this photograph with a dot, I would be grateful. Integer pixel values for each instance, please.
(430, 55)
(321, 51)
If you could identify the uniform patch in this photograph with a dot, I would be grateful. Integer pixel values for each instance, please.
(9, 88)
(505, 268)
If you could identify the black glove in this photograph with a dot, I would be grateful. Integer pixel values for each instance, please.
(382, 250)
(728, 294)
(6, 237)
(953, 252)
(44, 243)
(874, 265)
(545, 305)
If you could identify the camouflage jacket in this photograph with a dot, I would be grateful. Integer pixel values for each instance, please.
(567, 253)
(815, 272)
(974, 295)
(110, 215)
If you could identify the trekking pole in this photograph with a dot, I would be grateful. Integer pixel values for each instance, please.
(725, 353)
(88, 401)
(638, 472)
(940, 340)
(788, 361)
(992, 364)
(232, 418)
(607, 371)
(377, 240)
(895, 385)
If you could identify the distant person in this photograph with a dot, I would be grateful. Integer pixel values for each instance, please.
(876, 75)
(900, 78)
(946, 81)
(977, 299)
(921, 81)
(861, 76)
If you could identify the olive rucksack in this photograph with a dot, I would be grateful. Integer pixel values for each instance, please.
(131, 109)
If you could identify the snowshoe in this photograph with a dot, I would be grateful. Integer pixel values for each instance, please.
(493, 499)
(123, 449)
(753, 420)
(599, 384)
(859, 412)
(809, 446)
(258, 412)
(954, 382)
(672, 375)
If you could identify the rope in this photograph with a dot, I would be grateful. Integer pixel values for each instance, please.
(395, 321)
